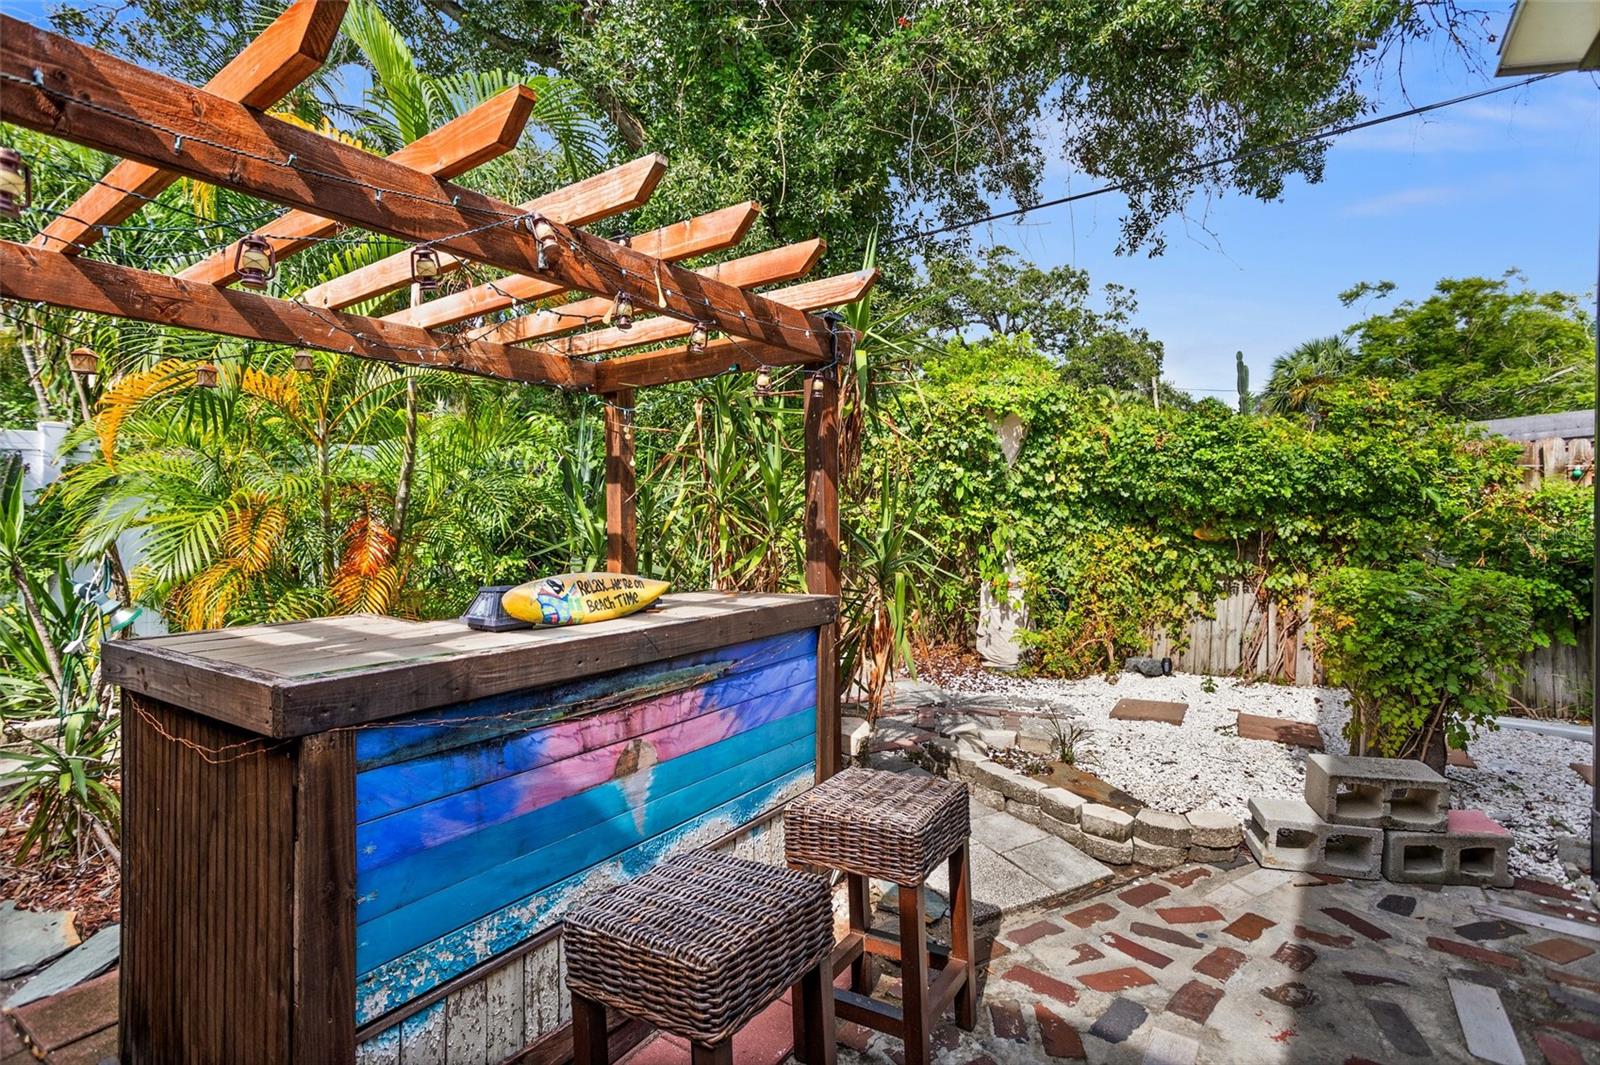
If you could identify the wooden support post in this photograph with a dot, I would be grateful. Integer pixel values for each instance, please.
(622, 528)
(822, 550)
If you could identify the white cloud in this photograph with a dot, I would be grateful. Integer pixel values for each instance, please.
(1402, 201)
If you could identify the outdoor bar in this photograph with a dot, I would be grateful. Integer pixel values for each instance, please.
(336, 824)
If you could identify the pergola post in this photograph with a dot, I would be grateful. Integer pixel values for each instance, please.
(622, 527)
(822, 549)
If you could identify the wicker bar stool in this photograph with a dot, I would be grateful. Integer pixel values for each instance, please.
(697, 947)
(894, 827)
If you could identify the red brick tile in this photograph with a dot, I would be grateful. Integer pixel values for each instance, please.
(1189, 914)
(73, 1014)
(1279, 730)
(1021, 937)
(1293, 994)
(1149, 710)
(1111, 981)
(1571, 913)
(1166, 935)
(1461, 760)
(1544, 888)
(1007, 1022)
(1187, 877)
(1326, 939)
(1572, 980)
(1220, 964)
(1090, 915)
(1589, 1030)
(1060, 1039)
(1059, 990)
(1085, 952)
(1144, 894)
(1195, 1000)
(1295, 955)
(1561, 951)
(1356, 923)
(1249, 927)
(1557, 1051)
(1482, 955)
(1136, 951)
(855, 1036)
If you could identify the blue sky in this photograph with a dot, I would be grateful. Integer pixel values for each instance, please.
(1508, 181)
(1512, 180)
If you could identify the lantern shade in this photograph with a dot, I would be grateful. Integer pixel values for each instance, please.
(622, 311)
(16, 183)
(763, 382)
(205, 375)
(304, 362)
(425, 268)
(698, 337)
(255, 262)
(84, 361)
(1551, 35)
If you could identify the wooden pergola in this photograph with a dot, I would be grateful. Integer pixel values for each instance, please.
(219, 134)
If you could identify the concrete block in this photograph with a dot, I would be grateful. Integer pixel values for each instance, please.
(1163, 829)
(1214, 829)
(1288, 834)
(1473, 849)
(986, 795)
(1060, 829)
(1157, 856)
(1062, 804)
(1214, 855)
(998, 738)
(1110, 851)
(859, 738)
(1377, 792)
(1026, 812)
(1106, 822)
(1008, 782)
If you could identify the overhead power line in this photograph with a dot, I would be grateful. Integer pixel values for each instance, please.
(1201, 167)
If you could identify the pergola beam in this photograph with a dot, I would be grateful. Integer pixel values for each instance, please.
(693, 236)
(97, 100)
(287, 52)
(486, 132)
(28, 273)
(622, 188)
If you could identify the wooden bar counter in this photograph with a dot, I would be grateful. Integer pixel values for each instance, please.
(349, 834)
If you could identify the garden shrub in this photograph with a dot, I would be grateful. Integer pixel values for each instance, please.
(1428, 652)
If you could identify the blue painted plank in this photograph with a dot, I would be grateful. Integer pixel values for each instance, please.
(472, 722)
(403, 785)
(388, 887)
(465, 813)
(427, 919)
(397, 982)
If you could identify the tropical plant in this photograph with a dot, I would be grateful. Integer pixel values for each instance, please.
(1302, 377)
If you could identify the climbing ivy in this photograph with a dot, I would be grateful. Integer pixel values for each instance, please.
(1124, 519)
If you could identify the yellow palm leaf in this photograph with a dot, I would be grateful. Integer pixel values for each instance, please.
(129, 391)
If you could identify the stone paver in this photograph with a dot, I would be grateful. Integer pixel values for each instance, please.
(1149, 710)
(1279, 730)
(29, 940)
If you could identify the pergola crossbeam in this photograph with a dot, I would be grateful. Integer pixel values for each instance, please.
(28, 273)
(485, 132)
(287, 52)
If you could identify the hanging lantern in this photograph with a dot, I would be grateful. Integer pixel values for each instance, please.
(205, 375)
(84, 362)
(255, 262)
(763, 382)
(622, 311)
(303, 361)
(425, 268)
(698, 337)
(625, 239)
(816, 385)
(544, 234)
(16, 183)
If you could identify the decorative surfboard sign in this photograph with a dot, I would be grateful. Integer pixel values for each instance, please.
(579, 598)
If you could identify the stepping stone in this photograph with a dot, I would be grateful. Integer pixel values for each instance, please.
(1584, 770)
(1485, 1024)
(1460, 759)
(94, 956)
(1397, 1028)
(66, 1018)
(1149, 710)
(1119, 1022)
(1561, 951)
(29, 940)
(1279, 730)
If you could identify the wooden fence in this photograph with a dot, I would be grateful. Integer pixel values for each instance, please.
(1559, 459)
(1246, 638)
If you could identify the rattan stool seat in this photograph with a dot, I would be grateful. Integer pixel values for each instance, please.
(893, 826)
(701, 943)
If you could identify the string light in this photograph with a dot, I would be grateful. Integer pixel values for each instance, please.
(255, 262)
(698, 336)
(16, 183)
(425, 268)
(205, 375)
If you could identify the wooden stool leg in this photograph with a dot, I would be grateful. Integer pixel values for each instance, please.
(815, 1038)
(589, 1040)
(914, 975)
(961, 936)
(716, 1054)
(858, 891)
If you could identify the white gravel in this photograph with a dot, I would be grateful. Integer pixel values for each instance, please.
(1523, 779)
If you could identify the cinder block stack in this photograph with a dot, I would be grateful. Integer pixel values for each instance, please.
(1365, 817)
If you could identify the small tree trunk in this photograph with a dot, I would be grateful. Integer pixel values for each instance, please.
(41, 401)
